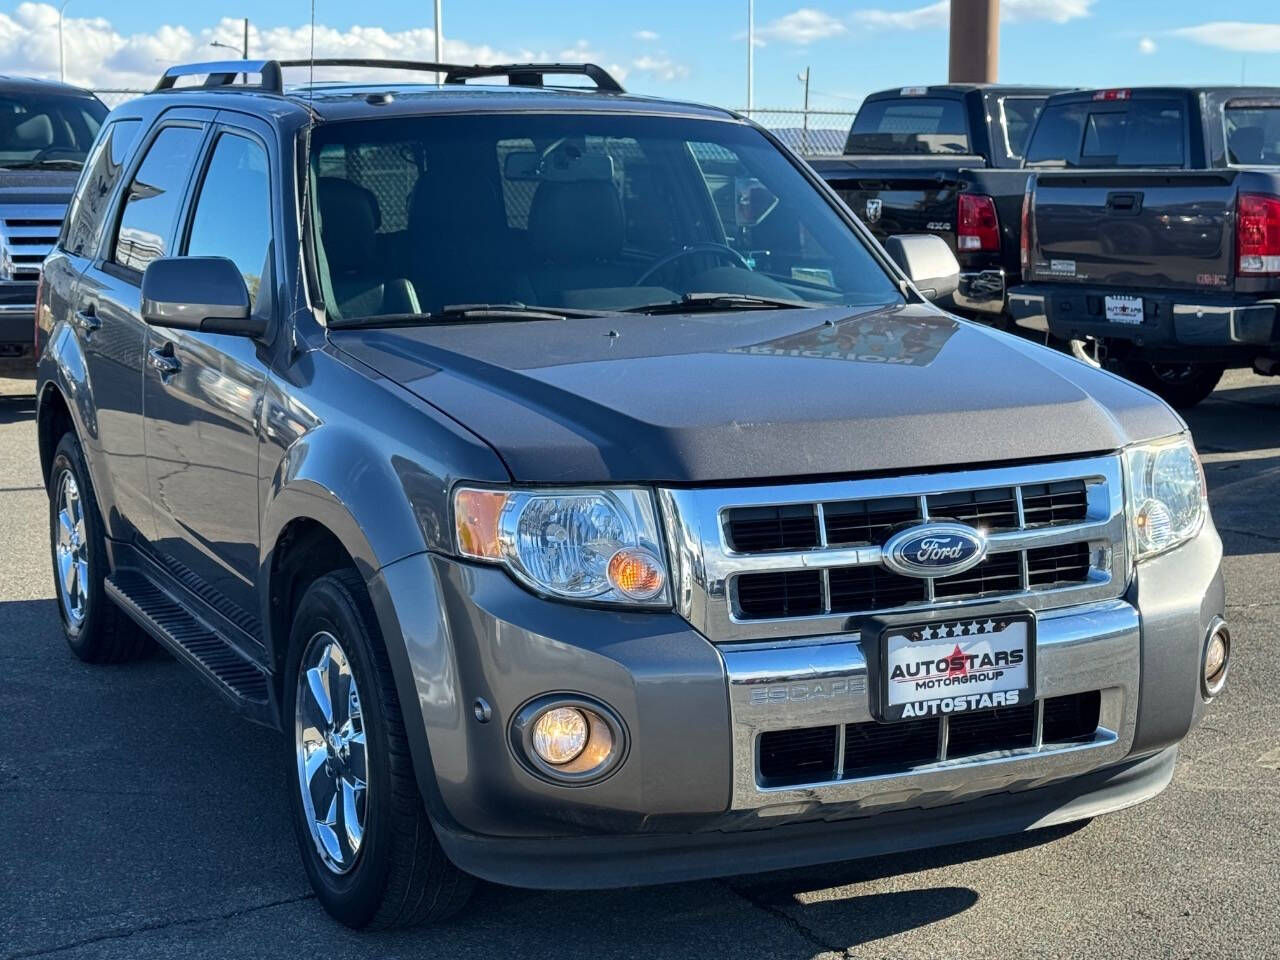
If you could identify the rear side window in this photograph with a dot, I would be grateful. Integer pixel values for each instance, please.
(910, 125)
(1253, 134)
(154, 197)
(102, 172)
(1137, 133)
(1019, 115)
(233, 211)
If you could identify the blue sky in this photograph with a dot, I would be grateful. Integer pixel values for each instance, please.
(687, 48)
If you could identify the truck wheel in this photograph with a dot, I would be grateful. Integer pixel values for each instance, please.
(1181, 385)
(366, 841)
(96, 629)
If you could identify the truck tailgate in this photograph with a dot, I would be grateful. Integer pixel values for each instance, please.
(1135, 229)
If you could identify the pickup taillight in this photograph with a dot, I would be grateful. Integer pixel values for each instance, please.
(1258, 235)
(1024, 245)
(977, 228)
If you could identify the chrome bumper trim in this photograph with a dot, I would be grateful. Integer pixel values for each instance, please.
(825, 682)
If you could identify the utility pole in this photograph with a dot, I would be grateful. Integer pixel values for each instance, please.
(751, 56)
(439, 36)
(246, 39)
(804, 134)
(62, 60)
(975, 41)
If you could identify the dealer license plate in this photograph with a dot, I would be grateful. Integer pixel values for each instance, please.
(956, 666)
(1124, 309)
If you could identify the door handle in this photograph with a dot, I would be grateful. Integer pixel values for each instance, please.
(164, 361)
(87, 320)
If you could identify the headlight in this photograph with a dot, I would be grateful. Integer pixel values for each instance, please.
(1167, 502)
(597, 545)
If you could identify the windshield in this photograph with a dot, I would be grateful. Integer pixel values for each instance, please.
(584, 212)
(909, 125)
(43, 130)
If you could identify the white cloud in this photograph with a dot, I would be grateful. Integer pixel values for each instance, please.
(647, 36)
(98, 55)
(1234, 35)
(801, 27)
(1147, 45)
(662, 67)
(938, 15)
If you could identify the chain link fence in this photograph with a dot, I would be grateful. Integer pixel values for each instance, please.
(114, 96)
(811, 133)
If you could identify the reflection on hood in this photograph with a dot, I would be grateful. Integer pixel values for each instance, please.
(878, 338)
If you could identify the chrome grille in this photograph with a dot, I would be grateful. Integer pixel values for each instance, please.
(27, 235)
(801, 560)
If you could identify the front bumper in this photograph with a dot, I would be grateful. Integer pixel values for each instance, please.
(687, 801)
(17, 329)
(1174, 324)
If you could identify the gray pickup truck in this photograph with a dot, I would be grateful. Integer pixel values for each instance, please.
(45, 131)
(1152, 237)
(589, 499)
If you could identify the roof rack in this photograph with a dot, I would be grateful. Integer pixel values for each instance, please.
(223, 73)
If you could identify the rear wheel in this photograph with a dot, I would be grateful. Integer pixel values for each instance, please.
(96, 629)
(366, 841)
(1181, 385)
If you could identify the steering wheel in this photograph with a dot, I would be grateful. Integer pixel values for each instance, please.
(724, 250)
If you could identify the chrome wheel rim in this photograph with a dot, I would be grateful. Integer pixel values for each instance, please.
(333, 768)
(71, 550)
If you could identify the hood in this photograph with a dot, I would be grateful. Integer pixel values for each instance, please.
(758, 395)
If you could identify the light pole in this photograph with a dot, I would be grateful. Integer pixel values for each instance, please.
(751, 56)
(244, 52)
(439, 36)
(62, 61)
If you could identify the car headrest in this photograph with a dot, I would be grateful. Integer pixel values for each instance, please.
(35, 131)
(572, 221)
(1245, 144)
(349, 221)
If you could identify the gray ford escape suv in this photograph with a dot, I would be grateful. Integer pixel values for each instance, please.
(589, 499)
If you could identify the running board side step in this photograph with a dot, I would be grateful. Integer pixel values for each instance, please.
(242, 681)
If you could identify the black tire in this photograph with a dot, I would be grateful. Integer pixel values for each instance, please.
(400, 875)
(105, 634)
(1180, 385)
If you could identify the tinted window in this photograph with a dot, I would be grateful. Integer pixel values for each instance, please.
(88, 207)
(1253, 135)
(586, 211)
(47, 131)
(154, 196)
(1136, 133)
(1019, 117)
(910, 125)
(233, 211)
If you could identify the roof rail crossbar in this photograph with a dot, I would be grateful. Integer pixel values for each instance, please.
(223, 73)
(532, 74)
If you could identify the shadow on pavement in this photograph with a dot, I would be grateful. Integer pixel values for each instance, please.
(17, 409)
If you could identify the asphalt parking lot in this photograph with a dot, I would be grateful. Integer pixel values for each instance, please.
(143, 819)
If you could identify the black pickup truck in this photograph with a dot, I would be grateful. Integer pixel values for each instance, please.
(1163, 261)
(944, 160)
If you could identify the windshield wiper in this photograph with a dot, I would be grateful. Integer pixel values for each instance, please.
(51, 162)
(720, 302)
(468, 313)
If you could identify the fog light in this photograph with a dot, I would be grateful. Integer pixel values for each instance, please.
(568, 739)
(560, 735)
(1216, 660)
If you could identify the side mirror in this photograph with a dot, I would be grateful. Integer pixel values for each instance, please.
(928, 261)
(198, 293)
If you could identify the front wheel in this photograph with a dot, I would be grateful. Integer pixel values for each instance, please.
(366, 841)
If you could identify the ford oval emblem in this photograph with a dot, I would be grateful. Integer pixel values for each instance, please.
(935, 550)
